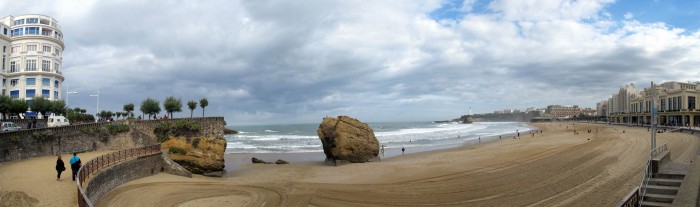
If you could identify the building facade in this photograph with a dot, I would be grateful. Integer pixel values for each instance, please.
(676, 105)
(618, 104)
(32, 49)
(559, 111)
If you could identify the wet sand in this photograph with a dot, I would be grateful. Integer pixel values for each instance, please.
(556, 168)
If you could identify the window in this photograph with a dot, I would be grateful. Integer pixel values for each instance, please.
(55, 95)
(4, 31)
(55, 67)
(13, 82)
(55, 84)
(45, 93)
(46, 66)
(31, 65)
(17, 32)
(663, 104)
(47, 48)
(58, 53)
(45, 82)
(691, 102)
(31, 47)
(15, 49)
(3, 63)
(14, 67)
(19, 22)
(14, 94)
(30, 93)
(32, 21)
(31, 30)
(31, 81)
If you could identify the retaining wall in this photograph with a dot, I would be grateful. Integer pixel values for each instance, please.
(23, 144)
(121, 173)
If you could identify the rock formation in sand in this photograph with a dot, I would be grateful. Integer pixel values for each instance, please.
(198, 155)
(347, 140)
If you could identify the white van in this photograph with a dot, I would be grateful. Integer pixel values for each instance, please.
(55, 121)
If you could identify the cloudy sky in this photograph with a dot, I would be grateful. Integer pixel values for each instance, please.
(268, 62)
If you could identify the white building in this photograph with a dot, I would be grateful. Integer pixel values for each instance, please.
(32, 46)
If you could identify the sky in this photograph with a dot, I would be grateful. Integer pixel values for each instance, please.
(284, 62)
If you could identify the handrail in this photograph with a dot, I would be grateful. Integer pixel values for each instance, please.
(648, 172)
(104, 161)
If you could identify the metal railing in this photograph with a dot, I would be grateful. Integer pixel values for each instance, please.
(96, 165)
(648, 172)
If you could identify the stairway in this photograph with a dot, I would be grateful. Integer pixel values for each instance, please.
(662, 189)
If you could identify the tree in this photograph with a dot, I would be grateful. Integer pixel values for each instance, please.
(192, 105)
(128, 108)
(203, 103)
(172, 104)
(5, 106)
(58, 107)
(19, 106)
(82, 111)
(41, 105)
(150, 107)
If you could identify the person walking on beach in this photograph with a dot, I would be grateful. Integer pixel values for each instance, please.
(75, 164)
(60, 167)
(403, 150)
(382, 150)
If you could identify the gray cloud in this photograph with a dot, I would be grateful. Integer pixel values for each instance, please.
(287, 61)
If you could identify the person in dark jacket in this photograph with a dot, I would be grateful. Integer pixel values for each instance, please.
(60, 167)
(75, 164)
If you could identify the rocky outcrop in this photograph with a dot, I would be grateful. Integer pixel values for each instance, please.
(281, 162)
(255, 160)
(230, 131)
(199, 155)
(347, 140)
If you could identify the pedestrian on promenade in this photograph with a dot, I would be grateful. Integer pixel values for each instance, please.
(75, 164)
(60, 167)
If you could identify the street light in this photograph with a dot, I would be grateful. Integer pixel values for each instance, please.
(68, 92)
(98, 102)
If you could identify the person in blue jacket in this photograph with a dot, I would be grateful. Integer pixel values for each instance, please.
(75, 164)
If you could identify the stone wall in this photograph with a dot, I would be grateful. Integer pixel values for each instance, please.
(119, 174)
(24, 144)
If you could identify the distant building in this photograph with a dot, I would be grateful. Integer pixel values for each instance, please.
(619, 102)
(559, 111)
(32, 46)
(676, 104)
(602, 108)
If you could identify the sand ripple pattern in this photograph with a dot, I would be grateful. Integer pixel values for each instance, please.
(554, 169)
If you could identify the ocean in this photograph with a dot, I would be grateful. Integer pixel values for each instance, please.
(303, 137)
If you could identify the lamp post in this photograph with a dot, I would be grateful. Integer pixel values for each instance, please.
(97, 111)
(68, 92)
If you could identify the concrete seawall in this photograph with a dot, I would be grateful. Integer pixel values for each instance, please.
(23, 144)
(121, 173)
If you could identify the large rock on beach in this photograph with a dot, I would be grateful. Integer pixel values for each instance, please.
(347, 140)
(199, 155)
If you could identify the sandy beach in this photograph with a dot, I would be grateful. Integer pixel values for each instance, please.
(32, 182)
(556, 168)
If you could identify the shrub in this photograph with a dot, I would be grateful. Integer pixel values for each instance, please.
(195, 142)
(177, 150)
(14, 139)
(43, 136)
(119, 128)
(162, 131)
(185, 127)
